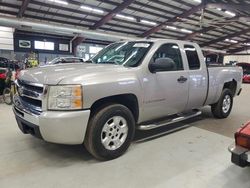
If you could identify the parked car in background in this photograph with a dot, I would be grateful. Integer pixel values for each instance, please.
(13, 66)
(3, 62)
(3, 72)
(3, 75)
(6, 63)
(64, 60)
(246, 71)
(240, 150)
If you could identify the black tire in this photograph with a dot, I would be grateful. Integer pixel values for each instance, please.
(7, 96)
(217, 108)
(94, 134)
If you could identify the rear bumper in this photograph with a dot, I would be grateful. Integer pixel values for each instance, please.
(240, 156)
(246, 81)
(63, 127)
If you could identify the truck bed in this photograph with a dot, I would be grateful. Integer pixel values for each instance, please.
(218, 65)
(218, 76)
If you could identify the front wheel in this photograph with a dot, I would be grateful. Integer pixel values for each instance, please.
(223, 107)
(110, 132)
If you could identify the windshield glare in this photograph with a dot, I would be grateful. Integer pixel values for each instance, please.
(129, 54)
(54, 60)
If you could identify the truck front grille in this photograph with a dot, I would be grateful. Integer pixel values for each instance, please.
(30, 95)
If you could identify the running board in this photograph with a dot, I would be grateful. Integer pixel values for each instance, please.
(178, 118)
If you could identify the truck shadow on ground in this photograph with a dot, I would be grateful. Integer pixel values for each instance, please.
(206, 113)
(64, 155)
(60, 155)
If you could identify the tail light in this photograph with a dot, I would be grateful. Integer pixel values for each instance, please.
(242, 136)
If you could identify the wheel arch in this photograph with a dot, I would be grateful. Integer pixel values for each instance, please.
(232, 85)
(129, 100)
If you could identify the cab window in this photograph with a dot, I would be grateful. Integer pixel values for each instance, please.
(170, 51)
(192, 57)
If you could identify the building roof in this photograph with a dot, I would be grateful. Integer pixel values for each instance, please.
(219, 24)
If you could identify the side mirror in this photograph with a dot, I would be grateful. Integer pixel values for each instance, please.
(162, 64)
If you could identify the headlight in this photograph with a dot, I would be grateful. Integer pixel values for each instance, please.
(65, 97)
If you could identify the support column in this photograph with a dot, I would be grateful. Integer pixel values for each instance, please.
(78, 40)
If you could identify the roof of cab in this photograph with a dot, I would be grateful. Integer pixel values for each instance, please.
(161, 41)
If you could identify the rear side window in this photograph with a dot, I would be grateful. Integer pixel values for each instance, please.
(192, 57)
(171, 51)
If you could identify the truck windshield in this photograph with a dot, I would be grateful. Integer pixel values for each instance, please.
(128, 54)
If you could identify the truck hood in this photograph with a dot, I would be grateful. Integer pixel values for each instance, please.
(54, 74)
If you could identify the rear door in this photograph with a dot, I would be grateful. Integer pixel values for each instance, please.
(198, 81)
(166, 92)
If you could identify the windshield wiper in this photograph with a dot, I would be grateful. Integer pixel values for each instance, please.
(109, 62)
(103, 62)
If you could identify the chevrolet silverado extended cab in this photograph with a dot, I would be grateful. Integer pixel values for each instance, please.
(141, 84)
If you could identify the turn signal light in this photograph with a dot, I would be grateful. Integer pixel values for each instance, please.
(77, 103)
(77, 91)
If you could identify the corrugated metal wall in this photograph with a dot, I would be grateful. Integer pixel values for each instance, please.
(238, 58)
(6, 38)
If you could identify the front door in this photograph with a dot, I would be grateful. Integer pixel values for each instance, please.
(166, 92)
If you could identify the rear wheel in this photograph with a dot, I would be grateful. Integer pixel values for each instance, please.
(110, 132)
(223, 107)
(7, 96)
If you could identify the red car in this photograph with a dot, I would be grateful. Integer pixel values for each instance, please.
(241, 148)
(246, 78)
(246, 71)
(3, 72)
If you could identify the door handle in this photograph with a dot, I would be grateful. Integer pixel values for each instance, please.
(182, 79)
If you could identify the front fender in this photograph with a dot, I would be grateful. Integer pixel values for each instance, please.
(111, 86)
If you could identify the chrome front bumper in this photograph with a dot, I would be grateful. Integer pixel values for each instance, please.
(240, 155)
(63, 127)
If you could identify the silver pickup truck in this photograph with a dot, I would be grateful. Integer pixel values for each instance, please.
(128, 85)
